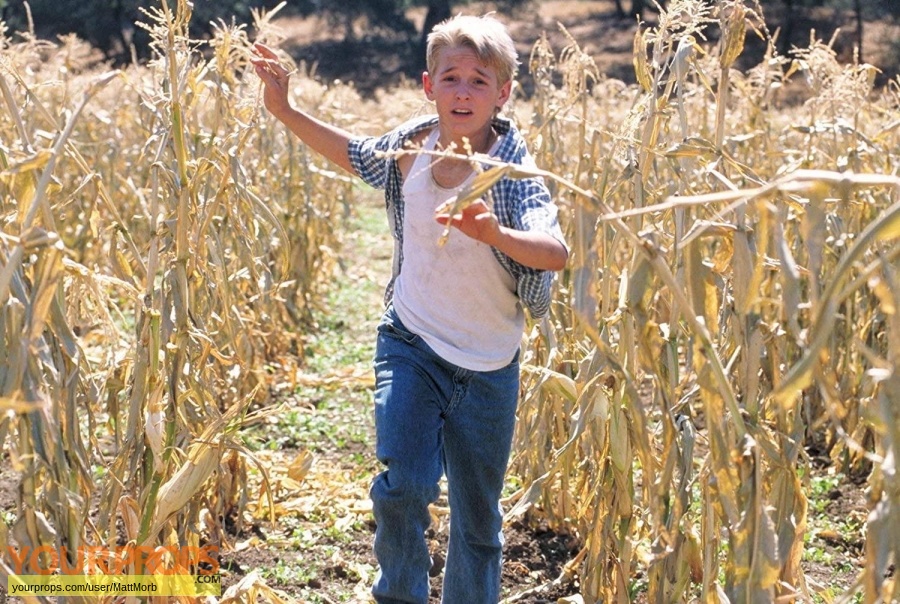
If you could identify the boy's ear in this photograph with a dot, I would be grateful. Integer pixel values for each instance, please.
(505, 91)
(427, 85)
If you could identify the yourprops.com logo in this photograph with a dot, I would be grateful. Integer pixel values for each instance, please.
(127, 559)
(125, 570)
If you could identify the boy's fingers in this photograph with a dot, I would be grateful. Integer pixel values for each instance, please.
(267, 59)
(264, 50)
(270, 66)
(446, 219)
(268, 63)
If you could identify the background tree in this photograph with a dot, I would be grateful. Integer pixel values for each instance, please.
(638, 7)
(438, 10)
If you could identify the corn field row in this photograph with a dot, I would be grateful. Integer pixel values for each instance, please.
(731, 295)
(730, 298)
(157, 238)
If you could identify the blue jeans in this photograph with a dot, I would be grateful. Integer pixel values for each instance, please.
(431, 417)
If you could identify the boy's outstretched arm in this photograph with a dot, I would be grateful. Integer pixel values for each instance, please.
(528, 248)
(330, 141)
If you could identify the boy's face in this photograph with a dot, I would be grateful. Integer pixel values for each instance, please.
(465, 90)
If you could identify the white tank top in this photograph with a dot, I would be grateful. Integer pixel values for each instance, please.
(457, 297)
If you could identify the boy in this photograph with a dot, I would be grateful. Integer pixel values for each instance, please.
(446, 360)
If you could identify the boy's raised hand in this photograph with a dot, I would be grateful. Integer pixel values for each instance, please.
(324, 138)
(475, 220)
(274, 76)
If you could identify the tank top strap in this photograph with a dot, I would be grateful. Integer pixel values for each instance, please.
(431, 141)
(421, 166)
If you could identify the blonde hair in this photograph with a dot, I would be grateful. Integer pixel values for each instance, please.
(485, 35)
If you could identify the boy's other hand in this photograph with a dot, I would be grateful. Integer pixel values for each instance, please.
(530, 248)
(476, 221)
(274, 76)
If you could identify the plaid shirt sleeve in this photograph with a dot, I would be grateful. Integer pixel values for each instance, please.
(525, 205)
(367, 153)
(367, 159)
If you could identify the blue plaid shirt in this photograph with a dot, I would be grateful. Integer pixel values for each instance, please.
(522, 204)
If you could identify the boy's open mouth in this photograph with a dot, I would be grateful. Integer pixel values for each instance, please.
(462, 112)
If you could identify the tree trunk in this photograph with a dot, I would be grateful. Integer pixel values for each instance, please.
(857, 5)
(637, 8)
(349, 34)
(438, 10)
(787, 27)
(620, 10)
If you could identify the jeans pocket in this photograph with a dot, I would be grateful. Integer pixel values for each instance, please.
(391, 326)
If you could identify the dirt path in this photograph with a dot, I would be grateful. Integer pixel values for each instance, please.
(317, 448)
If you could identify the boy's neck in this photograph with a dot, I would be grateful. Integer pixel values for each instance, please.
(481, 143)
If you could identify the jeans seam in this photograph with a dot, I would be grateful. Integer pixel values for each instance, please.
(461, 380)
